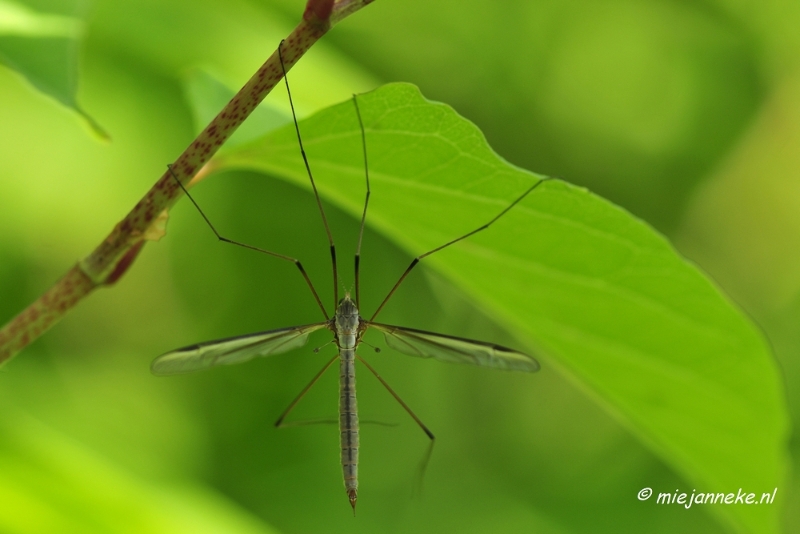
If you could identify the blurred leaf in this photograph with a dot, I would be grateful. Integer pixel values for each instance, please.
(597, 291)
(50, 483)
(237, 37)
(43, 47)
(636, 100)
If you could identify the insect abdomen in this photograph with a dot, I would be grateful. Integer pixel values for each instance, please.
(348, 422)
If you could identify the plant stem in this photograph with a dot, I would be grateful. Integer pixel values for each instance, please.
(109, 261)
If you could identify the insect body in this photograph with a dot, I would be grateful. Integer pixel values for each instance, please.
(348, 328)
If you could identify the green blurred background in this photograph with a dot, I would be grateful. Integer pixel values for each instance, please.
(686, 114)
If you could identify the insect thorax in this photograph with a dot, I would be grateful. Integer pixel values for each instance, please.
(347, 320)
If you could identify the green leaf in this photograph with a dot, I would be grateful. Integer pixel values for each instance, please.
(51, 483)
(579, 282)
(43, 47)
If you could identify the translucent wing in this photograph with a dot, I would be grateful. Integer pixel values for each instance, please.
(455, 349)
(232, 350)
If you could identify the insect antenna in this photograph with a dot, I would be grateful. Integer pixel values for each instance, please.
(416, 260)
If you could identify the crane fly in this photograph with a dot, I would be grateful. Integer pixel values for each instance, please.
(348, 328)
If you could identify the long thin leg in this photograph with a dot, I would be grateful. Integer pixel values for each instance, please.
(398, 399)
(279, 422)
(366, 200)
(313, 184)
(416, 260)
(424, 464)
(251, 247)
